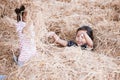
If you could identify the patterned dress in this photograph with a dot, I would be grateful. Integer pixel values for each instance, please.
(27, 45)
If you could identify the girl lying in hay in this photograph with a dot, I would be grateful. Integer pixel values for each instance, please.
(84, 38)
(26, 35)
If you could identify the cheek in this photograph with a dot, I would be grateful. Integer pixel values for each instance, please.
(77, 38)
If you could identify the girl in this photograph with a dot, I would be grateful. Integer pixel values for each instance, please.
(26, 36)
(84, 38)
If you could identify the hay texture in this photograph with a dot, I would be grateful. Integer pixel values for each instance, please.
(63, 17)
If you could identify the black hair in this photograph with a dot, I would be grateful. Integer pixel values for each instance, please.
(18, 12)
(88, 29)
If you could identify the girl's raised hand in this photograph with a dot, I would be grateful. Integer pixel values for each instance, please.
(53, 35)
(50, 34)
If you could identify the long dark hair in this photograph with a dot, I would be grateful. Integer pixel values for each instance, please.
(19, 12)
(88, 29)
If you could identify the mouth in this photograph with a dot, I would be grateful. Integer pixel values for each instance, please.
(79, 43)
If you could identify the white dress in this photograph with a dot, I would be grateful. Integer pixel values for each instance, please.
(27, 45)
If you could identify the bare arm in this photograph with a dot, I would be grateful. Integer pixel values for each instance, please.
(88, 40)
(57, 39)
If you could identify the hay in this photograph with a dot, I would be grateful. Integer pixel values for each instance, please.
(63, 17)
(68, 64)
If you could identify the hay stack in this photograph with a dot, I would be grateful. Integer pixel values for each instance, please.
(66, 65)
(63, 17)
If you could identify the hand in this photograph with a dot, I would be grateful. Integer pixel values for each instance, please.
(50, 34)
(82, 33)
(81, 36)
(53, 35)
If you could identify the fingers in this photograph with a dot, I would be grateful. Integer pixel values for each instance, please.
(54, 36)
(50, 34)
(81, 36)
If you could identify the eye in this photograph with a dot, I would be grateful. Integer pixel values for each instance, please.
(82, 36)
(77, 35)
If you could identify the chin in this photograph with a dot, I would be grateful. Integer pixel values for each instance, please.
(79, 44)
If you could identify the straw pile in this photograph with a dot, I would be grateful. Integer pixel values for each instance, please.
(63, 17)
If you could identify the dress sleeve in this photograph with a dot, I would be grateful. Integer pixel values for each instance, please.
(20, 25)
(84, 46)
(71, 43)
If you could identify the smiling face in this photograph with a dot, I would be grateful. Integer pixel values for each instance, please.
(80, 39)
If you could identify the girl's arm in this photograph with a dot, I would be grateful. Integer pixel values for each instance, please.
(88, 40)
(57, 39)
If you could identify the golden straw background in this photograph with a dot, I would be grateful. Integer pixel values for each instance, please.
(63, 17)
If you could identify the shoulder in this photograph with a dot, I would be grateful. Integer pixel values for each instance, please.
(20, 24)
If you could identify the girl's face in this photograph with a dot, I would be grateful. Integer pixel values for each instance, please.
(25, 16)
(80, 39)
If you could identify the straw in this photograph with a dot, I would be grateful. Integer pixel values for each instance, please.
(54, 62)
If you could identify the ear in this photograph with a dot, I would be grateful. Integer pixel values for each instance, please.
(17, 10)
(22, 8)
